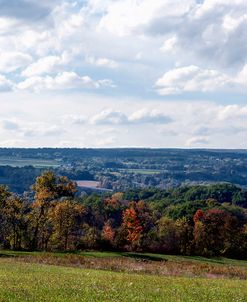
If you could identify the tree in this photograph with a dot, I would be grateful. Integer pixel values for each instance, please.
(108, 233)
(133, 227)
(15, 215)
(67, 219)
(167, 235)
(184, 231)
(4, 195)
(48, 188)
(214, 231)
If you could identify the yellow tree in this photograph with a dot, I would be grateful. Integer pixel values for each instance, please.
(15, 215)
(4, 195)
(48, 188)
(66, 218)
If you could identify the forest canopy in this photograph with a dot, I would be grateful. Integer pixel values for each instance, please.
(190, 220)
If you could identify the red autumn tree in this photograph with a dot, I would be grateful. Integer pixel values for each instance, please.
(199, 215)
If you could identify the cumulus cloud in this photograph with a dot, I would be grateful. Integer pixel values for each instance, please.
(11, 61)
(194, 33)
(149, 116)
(169, 44)
(232, 112)
(126, 16)
(172, 47)
(109, 117)
(64, 80)
(212, 30)
(73, 119)
(45, 65)
(142, 116)
(192, 78)
(209, 29)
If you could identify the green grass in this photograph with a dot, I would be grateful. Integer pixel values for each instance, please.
(106, 254)
(35, 282)
(141, 171)
(216, 260)
(22, 162)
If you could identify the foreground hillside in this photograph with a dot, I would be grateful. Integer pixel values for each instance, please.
(23, 281)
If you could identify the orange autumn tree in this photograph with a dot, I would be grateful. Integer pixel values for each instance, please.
(132, 225)
(108, 233)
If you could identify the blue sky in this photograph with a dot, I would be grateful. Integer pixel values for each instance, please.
(120, 73)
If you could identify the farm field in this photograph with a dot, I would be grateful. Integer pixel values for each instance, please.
(141, 171)
(88, 184)
(22, 162)
(67, 277)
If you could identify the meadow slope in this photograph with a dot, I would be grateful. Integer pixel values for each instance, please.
(23, 281)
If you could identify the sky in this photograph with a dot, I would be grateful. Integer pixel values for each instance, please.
(123, 73)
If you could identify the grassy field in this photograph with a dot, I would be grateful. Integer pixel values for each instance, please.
(106, 277)
(38, 282)
(141, 171)
(22, 162)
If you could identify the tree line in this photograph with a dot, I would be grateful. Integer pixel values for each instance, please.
(53, 218)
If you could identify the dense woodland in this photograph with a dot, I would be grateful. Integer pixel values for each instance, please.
(189, 220)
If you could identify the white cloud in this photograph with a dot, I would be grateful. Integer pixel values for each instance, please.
(64, 80)
(45, 65)
(190, 119)
(108, 117)
(6, 24)
(124, 17)
(196, 45)
(232, 112)
(142, 116)
(73, 119)
(191, 78)
(149, 116)
(169, 44)
(11, 61)
(102, 62)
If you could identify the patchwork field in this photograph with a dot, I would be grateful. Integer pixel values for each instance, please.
(97, 277)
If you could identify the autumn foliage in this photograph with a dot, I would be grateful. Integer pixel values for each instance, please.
(55, 218)
(132, 224)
